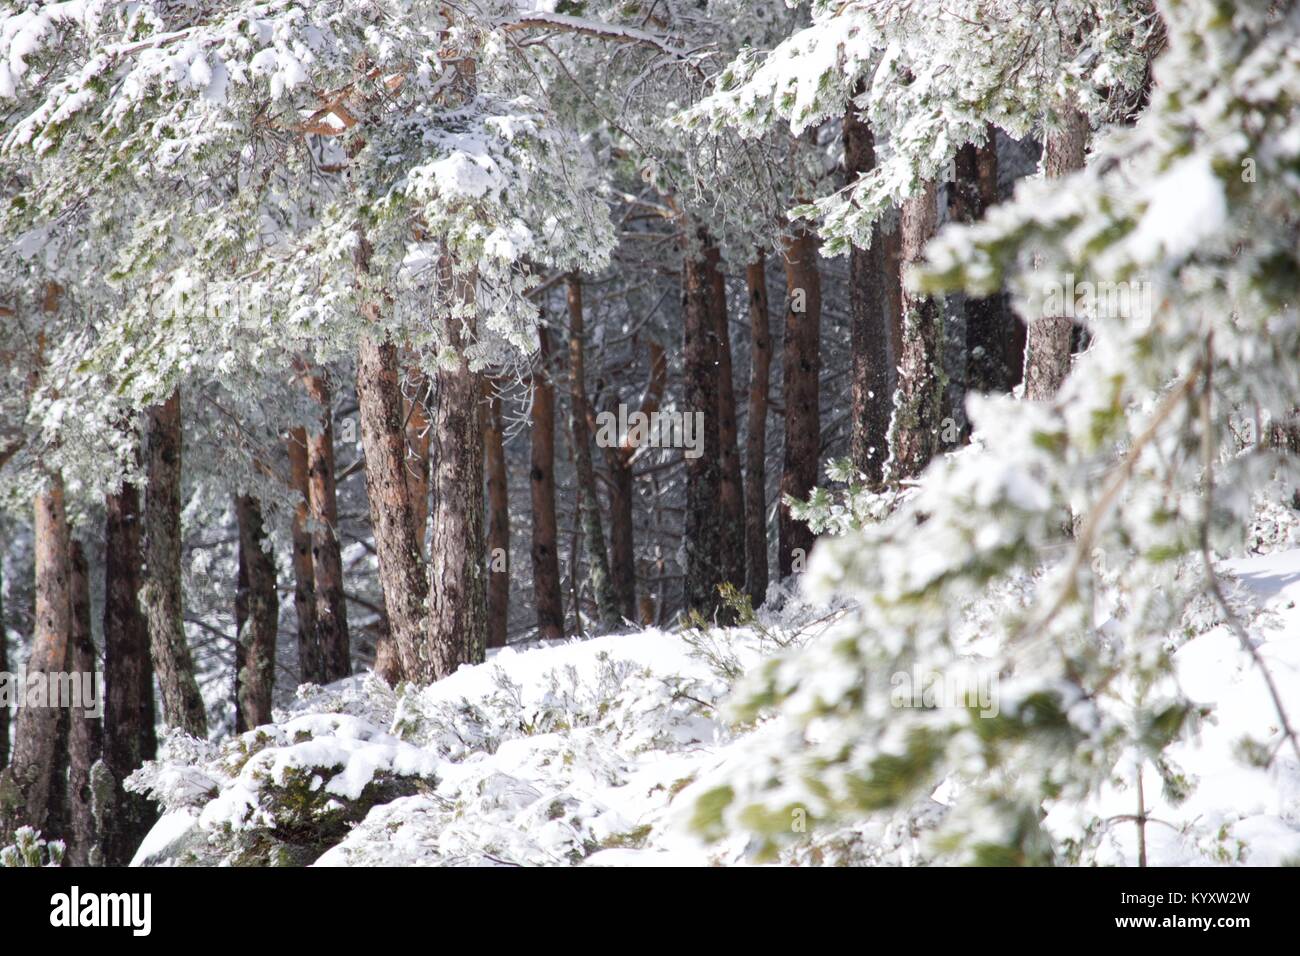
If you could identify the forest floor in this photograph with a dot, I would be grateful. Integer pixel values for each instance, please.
(590, 751)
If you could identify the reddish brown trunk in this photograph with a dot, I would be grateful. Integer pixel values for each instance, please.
(731, 488)
(918, 405)
(457, 595)
(498, 582)
(401, 571)
(760, 365)
(801, 391)
(258, 623)
(332, 637)
(87, 787)
(26, 785)
(417, 450)
(162, 593)
(872, 343)
(128, 675)
(541, 482)
(311, 665)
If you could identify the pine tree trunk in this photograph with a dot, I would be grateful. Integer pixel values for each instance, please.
(593, 532)
(332, 636)
(402, 574)
(417, 449)
(1047, 349)
(457, 594)
(622, 550)
(129, 738)
(311, 664)
(731, 487)
(541, 483)
(801, 390)
(255, 646)
(26, 786)
(918, 405)
(498, 582)
(622, 497)
(873, 347)
(760, 368)
(703, 533)
(995, 338)
(86, 808)
(162, 597)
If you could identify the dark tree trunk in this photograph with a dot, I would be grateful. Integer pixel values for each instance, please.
(703, 533)
(498, 581)
(332, 637)
(994, 336)
(457, 594)
(26, 786)
(760, 367)
(162, 596)
(128, 673)
(873, 347)
(918, 406)
(622, 549)
(618, 460)
(311, 664)
(731, 487)
(541, 482)
(1047, 349)
(402, 574)
(260, 603)
(801, 391)
(86, 782)
(602, 587)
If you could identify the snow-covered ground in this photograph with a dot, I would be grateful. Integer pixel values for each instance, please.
(575, 752)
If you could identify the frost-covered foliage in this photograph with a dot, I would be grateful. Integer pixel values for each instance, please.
(1199, 201)
(221, 188)
(929, 78)
(31, 849)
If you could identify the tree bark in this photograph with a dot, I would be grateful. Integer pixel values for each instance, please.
(618, 461)
(417, 450)
(256, 632)
(541, 482)
(26, 786)
(801, 391)
(602, 586)
(498, 582)
(1047, 349)
(703, 533)
(311, 664)
(128, 673)
(873, 347)
(333, 640)
(760, 368)
(86, 816)
(402, 574)
(162, 595)
(457, 595)
(918, 404)
(731, 487)
(994, 336)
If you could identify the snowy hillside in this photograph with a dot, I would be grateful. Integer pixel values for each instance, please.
(591, 752)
